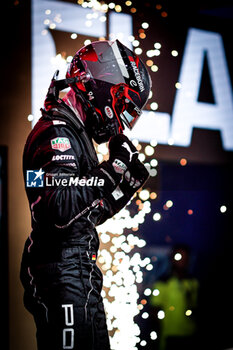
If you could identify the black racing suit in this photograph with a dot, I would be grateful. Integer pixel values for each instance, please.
(61, 280)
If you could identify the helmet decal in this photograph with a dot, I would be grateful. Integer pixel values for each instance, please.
(108, 112)
(134, 64)
(120, 60)
(88, 54)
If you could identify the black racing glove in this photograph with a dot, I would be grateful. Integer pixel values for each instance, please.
(134, 178)
(122, 153)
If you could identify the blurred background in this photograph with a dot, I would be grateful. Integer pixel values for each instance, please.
(167, 257)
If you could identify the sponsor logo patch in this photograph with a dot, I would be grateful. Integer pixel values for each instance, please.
(61, 144)
(63, 157)
(108, 111)
(119, 166)
(126, 146)
(58, 122)
(117, 193)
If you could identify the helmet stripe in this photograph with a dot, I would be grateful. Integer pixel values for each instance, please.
(120, 60)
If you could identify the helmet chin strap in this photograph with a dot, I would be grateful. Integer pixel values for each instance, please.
(103, 134)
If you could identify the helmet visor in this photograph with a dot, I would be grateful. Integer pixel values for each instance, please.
(104, 62)
(130, 113)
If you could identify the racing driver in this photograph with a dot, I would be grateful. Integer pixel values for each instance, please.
(109, 85)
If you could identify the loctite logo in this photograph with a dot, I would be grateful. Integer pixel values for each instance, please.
(63, 157)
